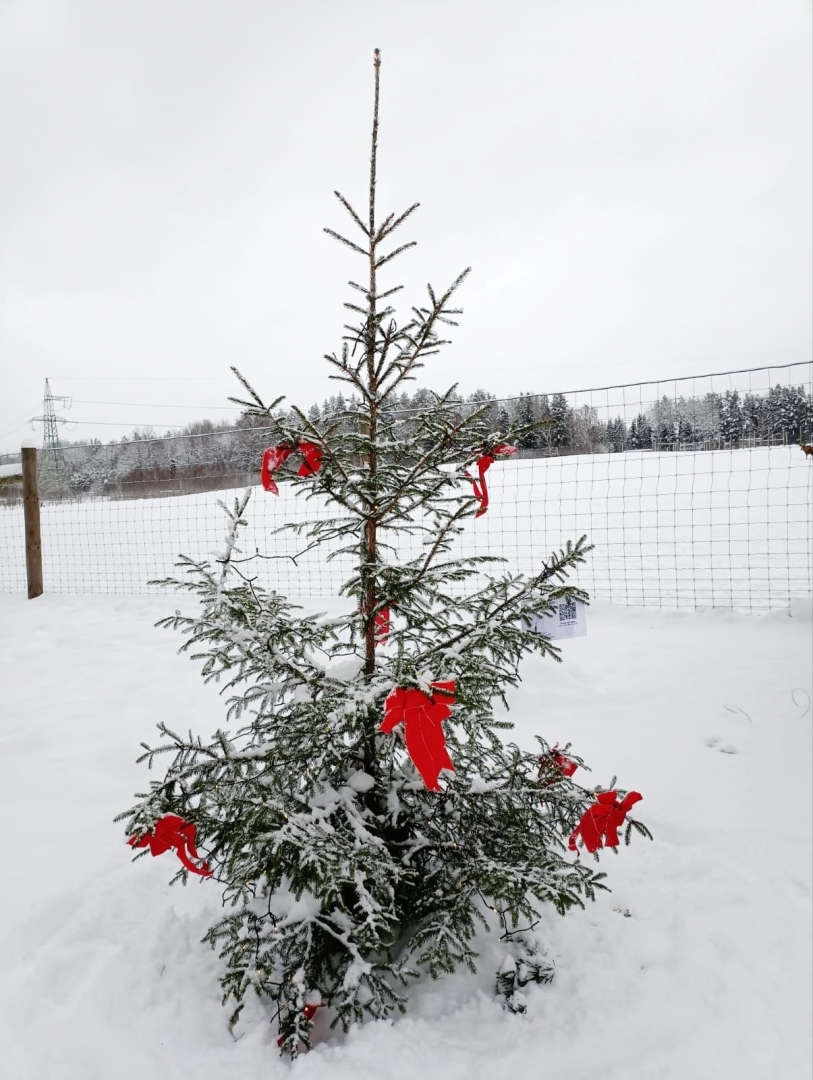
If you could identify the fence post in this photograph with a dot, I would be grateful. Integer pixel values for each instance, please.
(31, 508)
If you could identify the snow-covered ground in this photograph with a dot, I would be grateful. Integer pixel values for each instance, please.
(729, 528)
(102, 974)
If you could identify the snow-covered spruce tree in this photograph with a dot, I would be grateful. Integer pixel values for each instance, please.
(346, 872)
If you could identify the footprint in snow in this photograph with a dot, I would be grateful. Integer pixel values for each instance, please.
(715, 743)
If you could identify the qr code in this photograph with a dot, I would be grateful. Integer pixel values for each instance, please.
(567, 611)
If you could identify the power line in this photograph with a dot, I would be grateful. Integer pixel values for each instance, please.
(146, 378)
(559, 358)
(134, 426)
(652, 382)
(167, 438)
(550, 393)
(22, 423)
(152, 405)
(401, 411)
(125, 423)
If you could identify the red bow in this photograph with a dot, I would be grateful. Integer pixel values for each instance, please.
(600, 822)
(172, 831)
(277, 455)
(484, 463)
(422, 715)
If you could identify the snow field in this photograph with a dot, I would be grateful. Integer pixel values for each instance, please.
(727, 528)
(707, 714)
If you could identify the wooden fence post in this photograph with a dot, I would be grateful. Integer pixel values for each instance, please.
(31, 507)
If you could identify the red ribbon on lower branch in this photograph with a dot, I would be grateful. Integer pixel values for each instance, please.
(422, 716)
(381, 622)
(308, 1011)
(382, 625)
(169, 832)
(600, 822)
(555, 759)
(484, 463)
(276, 456)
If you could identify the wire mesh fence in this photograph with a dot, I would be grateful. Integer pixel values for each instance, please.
(695, 492)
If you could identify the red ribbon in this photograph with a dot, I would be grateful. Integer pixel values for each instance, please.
(422, 715)
(172, 831)
(311, 463)
(308, 1011)
(600, 822)
(272, 459)
(276, 456)
(560, 761)
(484, 463)
(382, 623)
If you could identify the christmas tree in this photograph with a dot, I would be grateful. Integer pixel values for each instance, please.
(361, 809)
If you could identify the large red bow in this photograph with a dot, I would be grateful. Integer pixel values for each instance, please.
(277, 455)
(172, 831)
(422, 715)
(484, 463)
(600, 822)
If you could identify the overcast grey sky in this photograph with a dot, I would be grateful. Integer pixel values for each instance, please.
(630, 180)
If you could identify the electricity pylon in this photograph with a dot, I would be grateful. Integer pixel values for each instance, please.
(53, 470)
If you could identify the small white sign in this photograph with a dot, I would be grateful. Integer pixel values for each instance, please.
(567, 620)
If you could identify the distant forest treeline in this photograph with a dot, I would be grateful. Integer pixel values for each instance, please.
(207, 455)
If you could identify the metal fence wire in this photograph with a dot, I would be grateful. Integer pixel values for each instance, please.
(694, 492)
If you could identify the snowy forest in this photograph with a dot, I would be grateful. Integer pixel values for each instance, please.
(207, 455)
